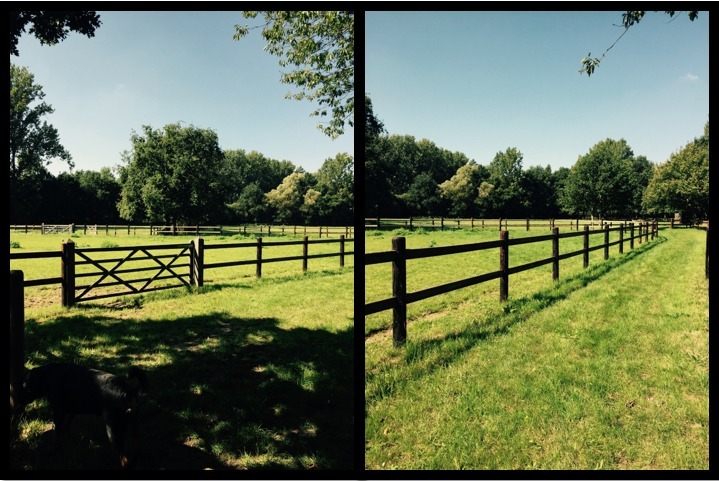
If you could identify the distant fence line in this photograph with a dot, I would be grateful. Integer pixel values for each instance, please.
(442, 223)
(195, 230)
(188, 257)
(399, 255)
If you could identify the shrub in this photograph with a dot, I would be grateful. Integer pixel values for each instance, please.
(14, 245)
(108, 244)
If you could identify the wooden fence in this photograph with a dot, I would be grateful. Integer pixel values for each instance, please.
(442, 223)
(184, 264)
(399, 255)
(194, 230)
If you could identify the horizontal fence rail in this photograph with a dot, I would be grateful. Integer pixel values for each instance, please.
(113, 267)
(193, 230)
(399, 255)
(442, 223)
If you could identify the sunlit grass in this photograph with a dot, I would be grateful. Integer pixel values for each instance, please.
(606, 369)
(244, 373)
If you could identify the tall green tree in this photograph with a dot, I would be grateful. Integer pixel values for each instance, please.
(334, 198)
(34, 143)
(50, 27)
(251, 206)
(506, 175)
(247, 168)
(287, 199)
(462, 189)
(539, 191)
(681, 184)
(601, 182)
(173, 175)
(377, 198)
(319, 47)
(402, 159)
(423, 196)
(102, 193)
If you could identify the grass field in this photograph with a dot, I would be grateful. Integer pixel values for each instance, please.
(605, 369)
(49, 268)
(244, 373)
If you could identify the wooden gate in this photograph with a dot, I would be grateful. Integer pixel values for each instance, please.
(111, 276)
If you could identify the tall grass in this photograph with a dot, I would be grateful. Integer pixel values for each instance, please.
(605, 369)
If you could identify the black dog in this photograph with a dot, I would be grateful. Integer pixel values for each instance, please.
(71, 389)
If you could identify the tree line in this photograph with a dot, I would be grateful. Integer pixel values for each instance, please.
(176, 174)
(179, 174)
(408, 177)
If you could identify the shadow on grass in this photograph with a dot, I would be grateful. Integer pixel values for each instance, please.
(423, 357)
(224, 392)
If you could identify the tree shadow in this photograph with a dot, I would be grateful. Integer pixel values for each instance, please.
(224, 392)
(427, 355)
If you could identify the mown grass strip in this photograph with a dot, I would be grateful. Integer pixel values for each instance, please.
(605, 369)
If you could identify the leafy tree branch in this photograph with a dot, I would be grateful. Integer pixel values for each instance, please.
(629, 18)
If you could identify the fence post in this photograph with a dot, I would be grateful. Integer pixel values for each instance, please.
(527, 224)
(606, 241)
(305, 244)
(42, 229)
(377, 223)
(555, 254)
(471, 223)
(504, 265)
(631, 235)
(269, 230)
(586, 246)
(641, 232)
(500, 224)
(441, 223)
(646, 231)
(399, 292)
(68, 273)
(342, 250)
(706, 265)
(258, 271)
(482, 223)
(672, 223)
(17, 337)
(621, 238)
(197, 261)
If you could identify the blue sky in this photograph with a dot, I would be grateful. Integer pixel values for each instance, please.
(157, 68)
(480, 82)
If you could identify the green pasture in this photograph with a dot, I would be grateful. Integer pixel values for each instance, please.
(434, 271)
(605, 369)
(49, 268)
(244, 373)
